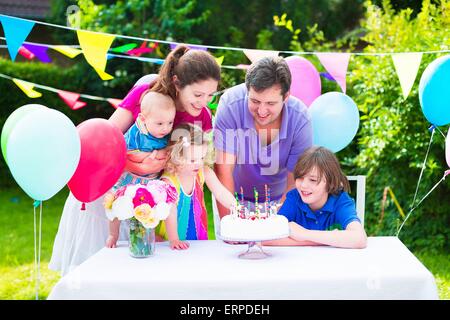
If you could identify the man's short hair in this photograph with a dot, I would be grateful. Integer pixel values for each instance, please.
(267, 72)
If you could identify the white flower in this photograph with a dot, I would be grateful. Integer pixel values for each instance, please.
(123, 208)
(162, 210)
(157, 191)
(131, 190)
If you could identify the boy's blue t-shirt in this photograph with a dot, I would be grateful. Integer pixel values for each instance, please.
(337, 213)
(145, 142)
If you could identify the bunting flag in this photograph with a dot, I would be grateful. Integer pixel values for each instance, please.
(255, 55)
(407, 65)
(219, 60)
(39, 51)
(16, 31)
(24, 52)
(95, 47)
(67, 51)
(71, 99)
(28, 88)
(114, 102)
(141, 50)
(336, 64)
(124, 48)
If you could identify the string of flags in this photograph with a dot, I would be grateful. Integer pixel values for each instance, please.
(69, 98)
(96, 49)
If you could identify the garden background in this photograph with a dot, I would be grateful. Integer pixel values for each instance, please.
(389, 148)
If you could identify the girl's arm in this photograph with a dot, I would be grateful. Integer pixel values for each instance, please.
(114, 227)
(172, 229)
(222, 194)
(290, 242)
(353, 237)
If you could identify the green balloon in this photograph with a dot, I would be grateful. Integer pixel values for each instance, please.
(10, 123)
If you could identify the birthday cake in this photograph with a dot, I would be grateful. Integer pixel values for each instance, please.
(242, 224)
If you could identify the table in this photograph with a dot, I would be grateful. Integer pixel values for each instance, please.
(211, 270)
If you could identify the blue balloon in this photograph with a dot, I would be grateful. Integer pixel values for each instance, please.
(43, 152)
(335, 120)
(434, 91)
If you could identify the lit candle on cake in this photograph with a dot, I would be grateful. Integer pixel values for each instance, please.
(266, 203)
(256, 202)
(242, 200)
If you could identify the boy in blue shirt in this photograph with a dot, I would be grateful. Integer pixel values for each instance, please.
(319, 209)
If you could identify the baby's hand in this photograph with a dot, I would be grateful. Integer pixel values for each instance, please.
(111, 241)
(179, 245)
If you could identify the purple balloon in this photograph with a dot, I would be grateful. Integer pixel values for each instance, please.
(306, 83)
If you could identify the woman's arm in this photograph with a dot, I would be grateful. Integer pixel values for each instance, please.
(353, 236)
(224, 167)
(122, 118)
(222, 194)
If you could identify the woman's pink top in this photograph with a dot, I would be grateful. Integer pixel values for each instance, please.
(132, 103)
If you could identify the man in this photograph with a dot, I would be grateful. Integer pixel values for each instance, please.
(260, 132)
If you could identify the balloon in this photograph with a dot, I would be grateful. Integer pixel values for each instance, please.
(335, 120)
(103, 155)
(306, 83)
(434, 93)
(447, 148)
(43, 151)
(149, 78)
(13, 118)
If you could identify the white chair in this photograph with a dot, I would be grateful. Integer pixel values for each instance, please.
(360, 202)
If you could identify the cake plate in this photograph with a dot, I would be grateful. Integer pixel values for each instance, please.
(255, 248)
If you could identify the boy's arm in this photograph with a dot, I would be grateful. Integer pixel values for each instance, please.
(353, 237)
(222, 194)
(290, 242)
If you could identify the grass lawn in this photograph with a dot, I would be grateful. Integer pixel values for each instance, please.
(17, 247)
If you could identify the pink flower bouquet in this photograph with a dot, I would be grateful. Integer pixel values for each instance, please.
(149, 203)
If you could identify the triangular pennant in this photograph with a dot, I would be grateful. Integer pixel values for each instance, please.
(141, 50)
(336, 64)
(39, 51)
(16, 31)
(24, 52)
(27, 87)
(71, 99)
(407, 65)
(95, 47)
(67, 51)
(124, 48)
(114, 102)
(255, 55)
(219, 60)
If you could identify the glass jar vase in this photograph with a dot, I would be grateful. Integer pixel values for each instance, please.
(142, 240)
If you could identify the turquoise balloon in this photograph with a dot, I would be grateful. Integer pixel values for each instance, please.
(434, 91)
(335, 120)
(43, 152)
(13, 118)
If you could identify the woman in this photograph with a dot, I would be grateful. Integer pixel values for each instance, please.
(190, 77)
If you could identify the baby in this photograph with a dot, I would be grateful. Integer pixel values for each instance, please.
(146, 136)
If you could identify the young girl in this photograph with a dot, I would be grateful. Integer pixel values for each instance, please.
(191, 78)
(187, 170)
(319, 209)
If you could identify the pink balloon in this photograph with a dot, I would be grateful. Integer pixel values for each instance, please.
(447, 148)
(103, 156)
(306, 83)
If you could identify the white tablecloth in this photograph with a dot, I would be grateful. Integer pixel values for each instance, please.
(386, 269)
